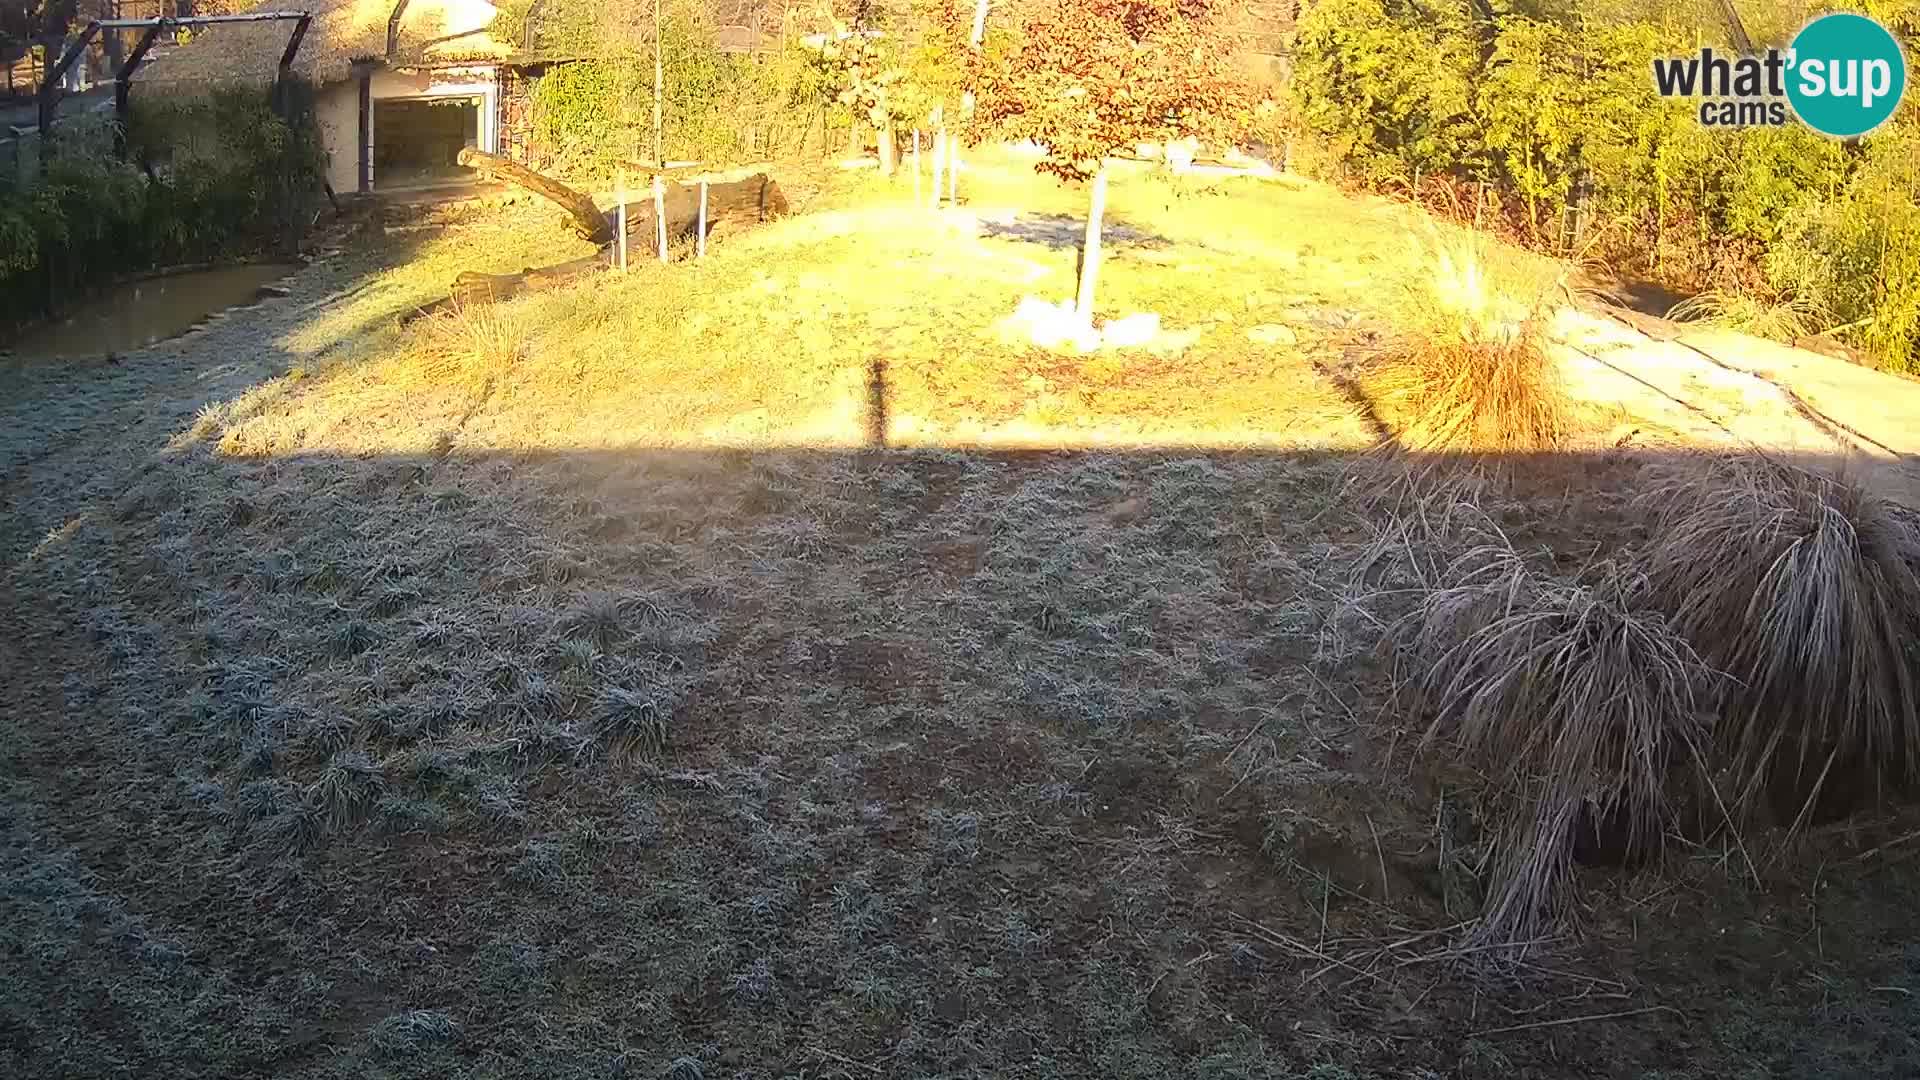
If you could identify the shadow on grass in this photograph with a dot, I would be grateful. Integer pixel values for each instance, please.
(1037, 760)
(1063, 231)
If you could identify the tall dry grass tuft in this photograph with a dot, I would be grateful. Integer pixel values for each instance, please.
(1582, 708)
(472, 347)
(1473, 373)
(1806, 589)
(1787, 319)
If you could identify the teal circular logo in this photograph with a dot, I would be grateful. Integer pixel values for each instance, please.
(1845, 75)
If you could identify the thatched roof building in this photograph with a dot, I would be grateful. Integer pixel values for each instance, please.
(430, 33)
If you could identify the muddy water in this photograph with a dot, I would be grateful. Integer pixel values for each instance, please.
(143, 312)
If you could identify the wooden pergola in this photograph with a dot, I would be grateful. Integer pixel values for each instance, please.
(123, 79)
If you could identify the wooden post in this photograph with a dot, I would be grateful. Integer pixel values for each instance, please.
(660, 213)
(620, 194)
(365, 94)
(916, 166)
(1090, 260)
(282, 106)
(700, 241)
(939, 162)
(953, 171)
(123, 86)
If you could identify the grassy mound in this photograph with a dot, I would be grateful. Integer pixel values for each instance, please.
(1806, 590)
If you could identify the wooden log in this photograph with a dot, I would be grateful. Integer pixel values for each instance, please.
(730, 204)
(740, 202)
(473, 287)
(588, 221)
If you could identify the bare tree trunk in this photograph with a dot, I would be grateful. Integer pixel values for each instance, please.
(1736, 27)
(587, 218)
(939, 163)
(1090, 251)
(659, 94)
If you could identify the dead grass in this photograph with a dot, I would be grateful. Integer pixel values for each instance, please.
(1472, 371)
(1805, 589)
(1583, 708)
(1788, 319)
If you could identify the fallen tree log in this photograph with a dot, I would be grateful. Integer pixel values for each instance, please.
(588, 221)
(473, 287)
(730, 203)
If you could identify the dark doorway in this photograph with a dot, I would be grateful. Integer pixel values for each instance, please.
(417, 140)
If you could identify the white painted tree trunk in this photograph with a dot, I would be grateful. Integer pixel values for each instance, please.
(1090, 251)
(939, 162)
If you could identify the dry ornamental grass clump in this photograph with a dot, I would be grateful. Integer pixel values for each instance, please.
(1757, 662)
(1475, 375)
(1806, 590)
(1582, 708)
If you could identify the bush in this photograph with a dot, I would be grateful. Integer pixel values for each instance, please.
(1534, 109)
(1578, 702)
(1857, 252)
(1805, 589)
(1390, 94)
(1473, 375)
(217, 176)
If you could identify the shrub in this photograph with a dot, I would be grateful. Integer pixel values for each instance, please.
(1581, 704)
(1390, 93)
(1474, 373)
(1525, 106)
(218, 176)
(1857, 253)
(1805, 589)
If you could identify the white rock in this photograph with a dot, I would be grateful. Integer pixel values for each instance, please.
(1132, 332)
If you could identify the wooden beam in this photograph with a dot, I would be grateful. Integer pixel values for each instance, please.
(123, 84)
(1736, 27)
(365, 151)
(393, 28)
(285, 72)
(50, 85)
(293, 44)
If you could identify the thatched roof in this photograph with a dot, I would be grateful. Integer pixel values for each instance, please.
(343, 31)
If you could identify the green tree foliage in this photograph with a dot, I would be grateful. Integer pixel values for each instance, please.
(1094, 78)
(1531, 103)
(1389, 89)
(218, 176)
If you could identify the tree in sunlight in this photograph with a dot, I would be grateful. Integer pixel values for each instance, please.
(1091, 79)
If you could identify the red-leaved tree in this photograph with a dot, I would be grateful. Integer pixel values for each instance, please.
(1091, 79)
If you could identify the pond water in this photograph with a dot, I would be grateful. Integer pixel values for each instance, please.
(140, 313)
